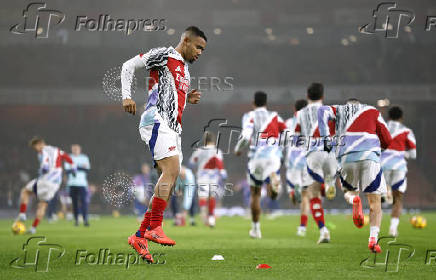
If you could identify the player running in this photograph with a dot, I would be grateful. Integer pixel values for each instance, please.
(393, 161)
(161, 123)
(297, 177)
(261, 129)
(321, 165)
(360, 133)
(48, 182)
(210, 172)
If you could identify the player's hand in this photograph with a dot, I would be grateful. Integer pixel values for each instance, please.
(194, 96)
(129, 106)
(292, 196)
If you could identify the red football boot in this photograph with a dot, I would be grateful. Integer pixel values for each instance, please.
(158, 236)
(141, 247)
(373, 245)
(358, 217)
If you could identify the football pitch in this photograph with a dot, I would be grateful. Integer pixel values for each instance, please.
(101, 251)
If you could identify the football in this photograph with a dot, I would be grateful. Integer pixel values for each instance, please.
(418, 222)
(18, 228)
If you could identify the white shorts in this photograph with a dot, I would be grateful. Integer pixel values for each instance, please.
(65, 198)
(259, 170)
(205, 187)
(396, 179)
(364, 175)
(322, 166)
(298, 177)
(162, 141)
(44, 190)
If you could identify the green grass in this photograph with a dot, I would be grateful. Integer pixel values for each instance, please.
(289, 256)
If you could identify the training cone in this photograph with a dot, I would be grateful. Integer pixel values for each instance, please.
(217, 258)
(262, 266)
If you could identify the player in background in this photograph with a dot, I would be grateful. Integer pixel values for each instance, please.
(161, 122)
(48, 181)
(142, 190)
(393, 161)
(361, 132)
(261, 130)
(78, 183)
(321, 165)
(297, 177)
(186, 185)
(210, 172)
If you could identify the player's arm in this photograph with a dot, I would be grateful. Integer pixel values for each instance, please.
(193, 160)
(246, 133)
(152, 59)
(410, 146)
(43, 163)
(382, 132)
(194, 96)
(85, 166)
(326, 121)
(326, 115)
(223, 171)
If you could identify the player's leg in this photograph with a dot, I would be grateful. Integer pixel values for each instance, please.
(304, 210)
(375, 217)
(315, 168)
(374, 184)
(25, 194)
(74, 194)
(211, 209)
(255, 211)
(318, 211)
(399, 185)
(397, 207)
(84, 205)
(330, 167)
(170, 168)
(40, 212)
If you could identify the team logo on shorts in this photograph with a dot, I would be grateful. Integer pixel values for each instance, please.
(172, 148)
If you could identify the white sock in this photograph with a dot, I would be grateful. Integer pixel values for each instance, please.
(373, 232)
(255, 226)
(394, 223)
(349, 197)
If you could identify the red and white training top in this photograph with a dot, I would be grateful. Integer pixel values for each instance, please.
(51, 162)
(168, 85)
(261, 128)
(210, 165)
(307, 125)
(361, 130)
(402, 146)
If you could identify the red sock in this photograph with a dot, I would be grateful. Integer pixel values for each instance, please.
(157, 209)
(303, 220)
(145, 223)
(23, 207)
(211, 206)
(317, 211)
(202, 202)
(35, 222)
